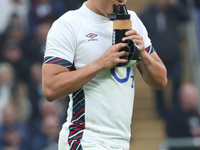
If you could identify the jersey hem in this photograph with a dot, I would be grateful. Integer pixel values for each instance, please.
(114, 145)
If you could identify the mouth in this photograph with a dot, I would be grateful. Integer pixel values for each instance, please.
(119, 6)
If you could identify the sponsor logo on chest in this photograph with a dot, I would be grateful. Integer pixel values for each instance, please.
(91, 37)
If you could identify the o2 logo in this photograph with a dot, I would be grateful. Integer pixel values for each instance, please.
(128, 69)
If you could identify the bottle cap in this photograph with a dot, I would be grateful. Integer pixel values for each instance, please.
(122, 14)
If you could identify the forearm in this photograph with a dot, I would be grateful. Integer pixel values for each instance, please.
(153, 72)
(58, 81)
(67, 82)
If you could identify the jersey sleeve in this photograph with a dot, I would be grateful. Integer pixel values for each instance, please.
(141, 29)
(60, 44)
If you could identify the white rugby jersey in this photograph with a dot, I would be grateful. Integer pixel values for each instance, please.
(101, 110)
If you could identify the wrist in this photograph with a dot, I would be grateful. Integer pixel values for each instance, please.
(97, 65)
(143, 54)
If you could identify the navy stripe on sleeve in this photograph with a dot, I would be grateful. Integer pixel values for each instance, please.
(58, 61)
(150, 49)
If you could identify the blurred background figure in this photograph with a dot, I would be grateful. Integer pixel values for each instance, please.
(14, 31)
(72, 5)
(10, 148)
(184, 121)
(6, 81)
(44, 11)
(12, 53)
(35, 88)
(162, 20)
(19, 98)
(45, 109)
(13, 133)
(8, 8)
(47, 137)
(14, 92)
(35, 49)
(46, 126)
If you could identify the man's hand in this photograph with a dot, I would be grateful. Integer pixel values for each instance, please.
(133, 35)
(112, 56)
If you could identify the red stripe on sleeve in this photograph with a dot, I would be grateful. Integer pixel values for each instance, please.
(55, 60)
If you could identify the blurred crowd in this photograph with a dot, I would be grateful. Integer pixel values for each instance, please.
(28, 121)
(164, 20)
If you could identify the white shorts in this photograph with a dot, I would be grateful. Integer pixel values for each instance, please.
(86, 145)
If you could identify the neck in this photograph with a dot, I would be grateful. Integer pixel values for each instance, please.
(91, 4)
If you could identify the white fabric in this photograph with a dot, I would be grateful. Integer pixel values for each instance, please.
(86, 145)
(108, 103)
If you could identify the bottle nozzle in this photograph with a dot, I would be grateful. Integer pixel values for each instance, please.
(121, 14)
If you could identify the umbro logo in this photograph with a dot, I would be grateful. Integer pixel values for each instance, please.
(91, 37)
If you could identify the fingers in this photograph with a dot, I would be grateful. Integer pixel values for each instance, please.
(119, 46)
(132, 34)
(122, 60)
(118, 55)
(135, 36)
(122, 53)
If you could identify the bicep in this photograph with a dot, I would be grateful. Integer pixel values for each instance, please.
(49, 74)
(50, 78)
(51, 70)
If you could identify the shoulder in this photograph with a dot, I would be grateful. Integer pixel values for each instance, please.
(135, 19)
(70, 15)
(133, 14)
(70, 18)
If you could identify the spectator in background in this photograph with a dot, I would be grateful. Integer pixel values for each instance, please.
(44, 11)
(35, 50)
(6, 81)
(19, 98)
(13, 54)
(184, 121)
(47, 138)
(10, 7)
(45, 109)
(17, 34)
(14, 31)
(162, 19)
(72, 5)
(14, 92)
(12, 132)
(10, 148)
(35, 88)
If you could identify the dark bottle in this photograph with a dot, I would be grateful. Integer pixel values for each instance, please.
(122, 24)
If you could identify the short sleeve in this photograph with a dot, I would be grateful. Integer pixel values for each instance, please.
(147, 42)
(61, 42)
(141, 29)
